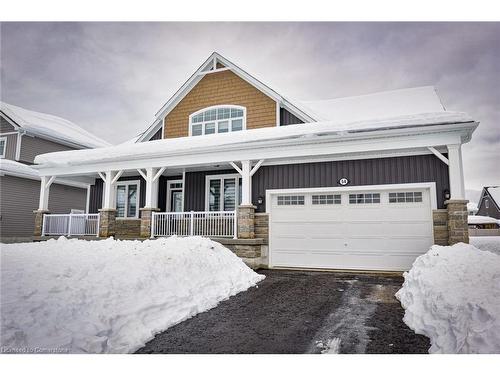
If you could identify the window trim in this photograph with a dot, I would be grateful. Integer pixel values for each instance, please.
(127, 183)
(221, 177)
(4, 139)
(230, 106)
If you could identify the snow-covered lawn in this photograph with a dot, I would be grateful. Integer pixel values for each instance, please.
(452, 295)
(488, 243)
(110, 296)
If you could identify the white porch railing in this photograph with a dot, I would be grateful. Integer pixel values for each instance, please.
(70, 225)
(202, 223)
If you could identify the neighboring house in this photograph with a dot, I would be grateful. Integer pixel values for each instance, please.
(353, 183)
(472, 208)
(483, 222)
(489, 202)
(25, 134)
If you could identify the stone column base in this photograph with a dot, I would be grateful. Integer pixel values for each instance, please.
(146, 220)
(246, 221)
(107, 222)
(458, 229)
(37, 232)
(440, 226)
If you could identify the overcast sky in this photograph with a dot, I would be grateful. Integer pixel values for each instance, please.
(111, 78)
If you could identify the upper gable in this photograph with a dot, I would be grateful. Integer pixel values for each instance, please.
(221, 88)
(6, 126)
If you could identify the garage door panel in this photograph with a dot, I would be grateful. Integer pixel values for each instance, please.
(375, 236)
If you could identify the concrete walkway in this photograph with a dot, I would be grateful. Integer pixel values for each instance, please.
(300, 312)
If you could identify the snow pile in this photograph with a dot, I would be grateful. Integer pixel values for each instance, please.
(478, 219)
(111, 296)
(487, 243)
(452, 295)
(43, 124)
(472, 207)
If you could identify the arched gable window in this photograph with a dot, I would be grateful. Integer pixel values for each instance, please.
(217, 119)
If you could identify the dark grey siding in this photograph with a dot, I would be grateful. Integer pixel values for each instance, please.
(33, 146)
(10, 150)
(194, 192)
(19, 197)
(96, 190)
(396, 170)
(5, 126)
(287, 118)
(157, 135)
(492, 210)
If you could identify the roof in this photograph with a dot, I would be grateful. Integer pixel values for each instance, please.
(11, 167)
(478, 219)
(387, 104)
(51, 127)
(309, 132)
(379, 105)
(494, 192)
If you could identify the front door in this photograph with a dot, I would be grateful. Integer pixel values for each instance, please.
(176, 201)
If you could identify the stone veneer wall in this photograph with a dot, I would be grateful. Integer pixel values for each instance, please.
(262, 226)
(440, 225)
(128, 228)
(458, 230)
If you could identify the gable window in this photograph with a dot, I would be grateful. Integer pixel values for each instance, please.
(223, 192)
(218, 119)
(3, 146)
(486, 203)
(127, 199)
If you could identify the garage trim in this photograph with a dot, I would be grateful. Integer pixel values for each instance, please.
(431, 186)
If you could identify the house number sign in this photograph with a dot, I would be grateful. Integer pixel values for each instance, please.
(343, 181)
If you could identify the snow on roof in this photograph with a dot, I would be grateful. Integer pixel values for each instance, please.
(478, 219)
(378, 105)
(249, 138)
(53, 127)
(495, 193)
(472, 206)
(13, 167)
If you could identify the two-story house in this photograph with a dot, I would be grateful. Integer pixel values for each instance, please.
(366, 182)
(25, 134)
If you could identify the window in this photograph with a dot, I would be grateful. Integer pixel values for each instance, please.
(326, 199)
(366, 198)
(3, 146)
(405, 197)
(127, 199)
(219, 119)
(222, 192)
(290, 200)
(486, 203)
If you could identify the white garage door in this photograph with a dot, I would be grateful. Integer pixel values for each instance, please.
(350, 229)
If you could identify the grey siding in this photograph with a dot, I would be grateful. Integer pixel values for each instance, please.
(287, 118)
(5, 126)
(19, 197)
(10, 151)
(157, 135)
(492, 210)
(33, 146)
(396, 170)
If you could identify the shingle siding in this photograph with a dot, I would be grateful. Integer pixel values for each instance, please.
(19, 197)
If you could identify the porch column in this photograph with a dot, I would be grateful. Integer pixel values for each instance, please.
(246, 211)
(43, 204)
(107, 217)
(456, 206)
(152, 177)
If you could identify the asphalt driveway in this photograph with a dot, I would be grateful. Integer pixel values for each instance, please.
(299, 312)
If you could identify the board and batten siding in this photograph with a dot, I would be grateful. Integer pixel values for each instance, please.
(377, 171)
(33, 146)
(287, 118)
(19, 198)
